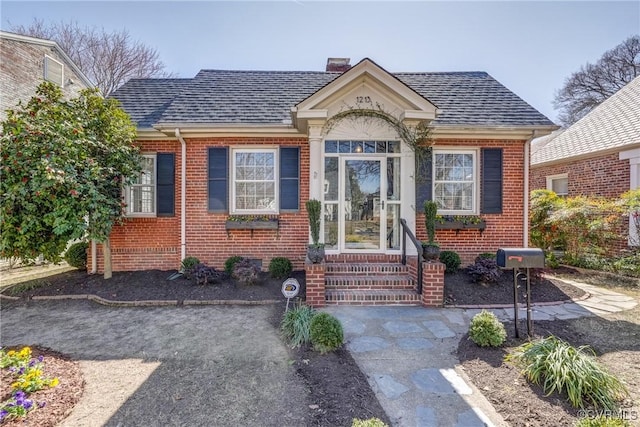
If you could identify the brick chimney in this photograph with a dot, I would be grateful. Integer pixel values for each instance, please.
(339, 65)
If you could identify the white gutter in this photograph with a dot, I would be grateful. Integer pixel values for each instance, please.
(183, 196)
(527, 160)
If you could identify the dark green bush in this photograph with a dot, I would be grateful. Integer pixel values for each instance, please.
(230, 262)
(326, 333)
(486, 330)
(188, 264)
(296, 325)
(451, 260)
(557, 366)
(280, 267)
(76, 255)
(245, 272)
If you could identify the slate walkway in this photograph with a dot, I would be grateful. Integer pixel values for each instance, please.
(408, 355)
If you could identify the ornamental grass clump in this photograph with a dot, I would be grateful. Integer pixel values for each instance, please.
(486, 330)
(296, 325)
(326, 333)
(557, 366)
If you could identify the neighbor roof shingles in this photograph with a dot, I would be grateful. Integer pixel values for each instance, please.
(266, 97)
(613, 124)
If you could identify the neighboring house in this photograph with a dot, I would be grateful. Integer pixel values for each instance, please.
(27, 62)
(597, 156)
(228, 143)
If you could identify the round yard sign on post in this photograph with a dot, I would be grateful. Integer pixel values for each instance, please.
(290, 289)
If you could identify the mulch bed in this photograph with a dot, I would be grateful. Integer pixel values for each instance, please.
(337, 389)
(459, 289)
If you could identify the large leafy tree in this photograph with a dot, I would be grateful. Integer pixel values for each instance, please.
(593, 83)
(64, 163)
(108, 59)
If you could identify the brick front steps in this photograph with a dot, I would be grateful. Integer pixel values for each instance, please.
(372, 280)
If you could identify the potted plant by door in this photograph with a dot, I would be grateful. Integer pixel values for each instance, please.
(315, 251)
(431, 249)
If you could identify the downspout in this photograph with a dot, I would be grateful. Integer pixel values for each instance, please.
(183, 196)
(527, 160)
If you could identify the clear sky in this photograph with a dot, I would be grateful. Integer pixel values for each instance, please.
(530, 47)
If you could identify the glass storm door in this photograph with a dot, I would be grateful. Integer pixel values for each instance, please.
(364, 218)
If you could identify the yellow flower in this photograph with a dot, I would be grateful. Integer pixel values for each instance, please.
(15, 385)
(11, 353)
(54, 382)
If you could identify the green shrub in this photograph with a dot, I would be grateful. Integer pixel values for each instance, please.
(230, 262)
(76, 255)
(557, 366)
(246, 272)
(188, 264)
(451, 260)
(325, 332)
(280, 267)
(602, 421)
(486, 255)
(486, 330)
(371, 422)
(296, 325)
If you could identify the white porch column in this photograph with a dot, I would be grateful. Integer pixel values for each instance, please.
(315, 160)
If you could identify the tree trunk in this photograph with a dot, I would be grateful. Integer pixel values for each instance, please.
(106, 250)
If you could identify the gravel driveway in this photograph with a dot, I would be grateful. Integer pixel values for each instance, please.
(179, 366)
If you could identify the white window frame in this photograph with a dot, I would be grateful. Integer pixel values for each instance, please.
(276, 180)
(552, 178)
(154, 186)
(476, 181)
(47, 61)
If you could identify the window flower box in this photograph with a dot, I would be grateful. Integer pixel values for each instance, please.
(461, 222)
(245, 222)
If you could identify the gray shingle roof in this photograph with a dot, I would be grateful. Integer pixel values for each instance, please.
(613, 124)
(266, 97)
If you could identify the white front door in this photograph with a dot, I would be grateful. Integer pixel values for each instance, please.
(363, 224)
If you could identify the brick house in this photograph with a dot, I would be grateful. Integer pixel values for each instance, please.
(599, 155)
(229, 143)
(27, 62)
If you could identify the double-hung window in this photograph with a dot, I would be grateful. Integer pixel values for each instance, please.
(255, 180)
(455, 181)
(140, 196)
(559, 184)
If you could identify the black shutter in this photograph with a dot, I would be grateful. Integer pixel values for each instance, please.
(166, 184)
(289, 178)
(424, 180)
(491, 181)
(218, 178)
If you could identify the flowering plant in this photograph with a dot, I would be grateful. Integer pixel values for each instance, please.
(28, 378)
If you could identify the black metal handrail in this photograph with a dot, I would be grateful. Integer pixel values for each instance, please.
(407, 232)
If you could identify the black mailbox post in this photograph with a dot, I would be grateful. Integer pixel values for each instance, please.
(517, 258)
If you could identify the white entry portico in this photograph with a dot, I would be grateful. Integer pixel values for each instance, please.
(360, 168)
